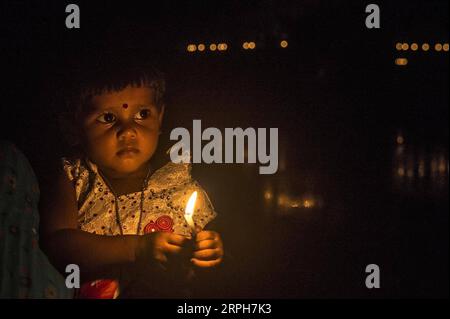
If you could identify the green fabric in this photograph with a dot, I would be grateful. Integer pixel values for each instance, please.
(25, 271)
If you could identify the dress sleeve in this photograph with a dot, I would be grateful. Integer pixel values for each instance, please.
(69, 167)
(78, 174)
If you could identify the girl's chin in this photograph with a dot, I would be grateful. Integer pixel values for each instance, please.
(124, 167)
(130, 166)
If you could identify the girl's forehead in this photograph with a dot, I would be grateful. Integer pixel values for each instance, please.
(128, 96)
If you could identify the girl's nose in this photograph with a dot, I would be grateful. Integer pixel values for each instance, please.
(126, 131)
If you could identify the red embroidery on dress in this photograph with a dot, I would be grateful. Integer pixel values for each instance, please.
(163, 223)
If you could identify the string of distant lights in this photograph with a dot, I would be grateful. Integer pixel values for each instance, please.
(425, 47)
(248, 45)
(251, 45)
(415, 47)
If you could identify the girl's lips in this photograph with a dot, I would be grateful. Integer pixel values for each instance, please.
(129, 151)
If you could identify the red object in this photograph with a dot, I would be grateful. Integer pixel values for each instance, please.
(125, 105)
(163, 223)
(99, 289)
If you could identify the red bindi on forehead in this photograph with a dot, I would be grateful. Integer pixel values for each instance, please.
(125, 105)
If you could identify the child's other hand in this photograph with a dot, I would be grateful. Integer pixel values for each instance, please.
(208, 249)
(161, 248)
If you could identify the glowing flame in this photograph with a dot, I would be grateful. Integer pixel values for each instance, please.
(190, 204)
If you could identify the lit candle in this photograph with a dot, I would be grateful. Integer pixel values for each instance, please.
(189, 211)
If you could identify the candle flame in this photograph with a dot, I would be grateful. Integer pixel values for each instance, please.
(190, 204)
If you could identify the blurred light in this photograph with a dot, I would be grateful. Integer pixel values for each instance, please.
(268, 195)
(191, 48)
(245, 45)
(434, 166)
(405, 46)
(410, 165)
(400, 139)
(201, 47)
(222, 46)
(425, 46)
(286, 202)
(410, 173)
(251, 45)
(421, 168)
(401, 61)
(399, 150)
(445, 47)
(398, 46)
(414, 46)
(284, 44)
(438, 47)
(282, 199)
(442, 166)
(401, 171)
(307, 203)
(213, 47)
(295, 204)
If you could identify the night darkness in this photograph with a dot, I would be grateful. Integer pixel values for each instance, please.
(363, 142)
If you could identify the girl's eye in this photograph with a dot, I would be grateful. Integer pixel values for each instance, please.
(106, 118)
(143, 114)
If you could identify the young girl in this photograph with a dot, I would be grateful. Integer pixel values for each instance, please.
(109, 211)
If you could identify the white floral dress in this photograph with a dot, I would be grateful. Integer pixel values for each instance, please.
(163, 207)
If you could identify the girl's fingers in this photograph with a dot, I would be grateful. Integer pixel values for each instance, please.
(206, 264)
(178, 240)
(206, 244)
(207, 234)
(172, 249)
(208, 254)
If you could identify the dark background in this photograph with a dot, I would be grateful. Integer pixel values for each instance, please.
(335, 94)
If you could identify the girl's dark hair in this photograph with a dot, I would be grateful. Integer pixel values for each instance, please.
(84, 80)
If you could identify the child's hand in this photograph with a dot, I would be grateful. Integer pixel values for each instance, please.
(208, 249)
(160, 248)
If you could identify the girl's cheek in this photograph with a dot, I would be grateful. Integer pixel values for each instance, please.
(94, 138)
(151, 127)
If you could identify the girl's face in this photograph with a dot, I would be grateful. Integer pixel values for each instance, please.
(121, 131)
